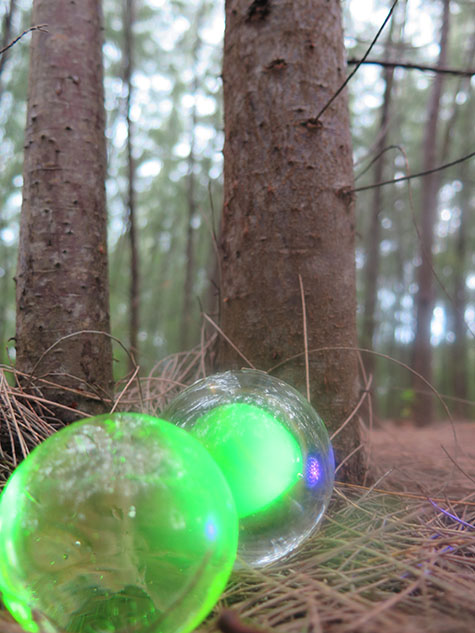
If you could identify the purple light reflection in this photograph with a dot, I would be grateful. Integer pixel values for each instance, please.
(313, 471)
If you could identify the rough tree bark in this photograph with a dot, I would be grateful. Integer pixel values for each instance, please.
(62, 283)
(286, 208)
(422, 351)
(134, 297)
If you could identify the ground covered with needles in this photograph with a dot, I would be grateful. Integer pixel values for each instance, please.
(394, 556)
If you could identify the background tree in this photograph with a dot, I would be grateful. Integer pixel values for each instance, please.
(134, 301)
(6, 37)
(62, 284)
(457, 310)
(380, 172)
(422, 351)
(287, 212)
(187, 312)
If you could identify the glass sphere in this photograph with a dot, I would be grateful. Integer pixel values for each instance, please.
(273, 449)
(121, 522)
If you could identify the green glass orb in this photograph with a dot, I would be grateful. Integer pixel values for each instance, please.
(258, 456)
(121, 522)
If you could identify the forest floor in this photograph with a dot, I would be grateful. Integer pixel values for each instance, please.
(396, 555)
(437, 460)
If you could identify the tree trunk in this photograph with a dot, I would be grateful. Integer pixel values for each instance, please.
(286, 208)
(422, 351)
(62, 284)
(373, 240)
(5, 281)
(458, 306)
(186, 320)
(6, 37)
(458, 383)
(134, 299)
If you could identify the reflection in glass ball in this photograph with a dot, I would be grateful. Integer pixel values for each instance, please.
(274, 450)
(121, 522)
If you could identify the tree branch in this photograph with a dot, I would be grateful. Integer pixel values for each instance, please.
(38, 27)
(340, 89)
(422, 67)
(411, 176)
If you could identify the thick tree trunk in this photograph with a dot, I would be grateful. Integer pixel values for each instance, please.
(62, 284)
(286, 207)
(134, 298)
(422, 350)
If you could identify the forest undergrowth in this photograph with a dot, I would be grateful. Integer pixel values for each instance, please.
(394, 554)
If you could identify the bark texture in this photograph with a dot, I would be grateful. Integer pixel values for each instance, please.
(286, 208)
(62, 282)
(422, 351)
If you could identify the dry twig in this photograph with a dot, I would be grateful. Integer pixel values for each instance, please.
(38, 27)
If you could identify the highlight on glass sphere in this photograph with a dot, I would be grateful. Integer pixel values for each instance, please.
(121, 522)
(274, 451)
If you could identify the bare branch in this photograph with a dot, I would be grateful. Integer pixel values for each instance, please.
(411, 176)
(340, 89)
(38, 27)
(422, 67)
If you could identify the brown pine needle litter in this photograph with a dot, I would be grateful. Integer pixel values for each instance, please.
(394, 557)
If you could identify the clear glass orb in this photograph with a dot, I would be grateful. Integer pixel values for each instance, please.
(274, 451)
(121, 522)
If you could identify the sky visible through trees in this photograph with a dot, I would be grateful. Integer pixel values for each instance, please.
(176, 111)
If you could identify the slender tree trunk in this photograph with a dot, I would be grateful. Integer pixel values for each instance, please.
(6, 38)
(5, 281)
(463, 84)
(458, 384)
(422, 351)
(457, 308)
(6, 32)
(62, 284)
(134, 298)
(373, 240)
(5, 278)
(286, 209)
(186, 321)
